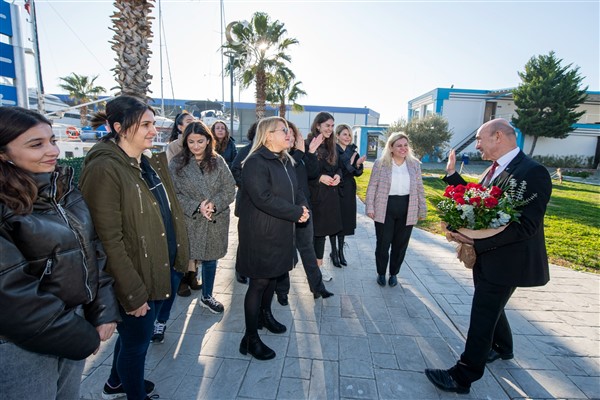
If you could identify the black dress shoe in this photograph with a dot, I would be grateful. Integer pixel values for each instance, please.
(494, 355)
(283, 299)
(442, 379)
(256, 348)
(393, 281)
(240, 278)
(324, 293)
(381, 280)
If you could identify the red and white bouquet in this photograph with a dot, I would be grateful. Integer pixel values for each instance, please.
(479, 212)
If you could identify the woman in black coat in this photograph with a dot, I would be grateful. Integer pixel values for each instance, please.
(352, 165)
(324, 195)
(225, 143)
(270, 205)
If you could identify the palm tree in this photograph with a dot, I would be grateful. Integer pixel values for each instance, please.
(81, 89)
(132, 24)
(281, 89)
(260, 48)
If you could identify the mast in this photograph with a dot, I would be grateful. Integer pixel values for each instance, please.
(162, 97)
(222, 64)
(38, 63)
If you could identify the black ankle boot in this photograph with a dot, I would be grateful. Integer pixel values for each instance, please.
(342, 258)
(267, 320)
(184, 289)
(334, 253)
(255, 346)
(192, 281)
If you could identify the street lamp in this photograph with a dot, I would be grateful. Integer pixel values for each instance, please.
(232, 56)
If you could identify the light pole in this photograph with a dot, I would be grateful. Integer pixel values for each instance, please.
(232, 56)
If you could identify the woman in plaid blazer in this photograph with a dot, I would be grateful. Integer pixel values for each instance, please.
(395, 201)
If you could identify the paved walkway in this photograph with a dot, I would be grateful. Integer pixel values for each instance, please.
(368, 342)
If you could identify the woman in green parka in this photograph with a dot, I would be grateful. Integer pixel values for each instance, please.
(140, 223)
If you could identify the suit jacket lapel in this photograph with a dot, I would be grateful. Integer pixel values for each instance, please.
(502, 180)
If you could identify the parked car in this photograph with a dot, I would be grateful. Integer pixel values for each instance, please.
(88, 134)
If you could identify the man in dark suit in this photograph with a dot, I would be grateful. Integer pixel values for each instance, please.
(513, 258)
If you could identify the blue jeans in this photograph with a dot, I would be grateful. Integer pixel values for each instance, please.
(130, 352)
(26, 375)
(209, 270)
(163, 311)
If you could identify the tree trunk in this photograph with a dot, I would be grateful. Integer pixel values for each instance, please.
(132, 24)
(535, 138)
(83, 116)
(282, 109)
(261, 93)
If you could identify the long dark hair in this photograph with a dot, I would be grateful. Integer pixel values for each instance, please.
(209, 158)
(17, 188)
(175, 132)
(126, 110)
(221, 144)
(327, 149)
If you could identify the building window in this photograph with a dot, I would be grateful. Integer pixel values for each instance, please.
(416, 113)
(428, 109)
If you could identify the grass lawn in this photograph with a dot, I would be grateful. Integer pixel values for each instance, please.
(572, 223)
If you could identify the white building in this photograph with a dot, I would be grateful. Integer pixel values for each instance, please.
(466, 109)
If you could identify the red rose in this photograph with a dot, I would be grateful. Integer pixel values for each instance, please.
(460, 189)
(449, 191)
(496, 192)
(475, 200)
(459, 199)
(490, 202)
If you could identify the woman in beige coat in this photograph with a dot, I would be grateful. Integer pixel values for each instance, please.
(395, 201)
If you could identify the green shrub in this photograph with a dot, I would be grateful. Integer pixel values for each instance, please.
(572, 161)
(579, 174)
(76, 163)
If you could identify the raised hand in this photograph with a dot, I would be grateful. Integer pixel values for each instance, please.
(315, 143)
(451, 165)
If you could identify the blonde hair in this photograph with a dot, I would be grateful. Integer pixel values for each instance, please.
(340, 128)
(266, 126)
(386, 158)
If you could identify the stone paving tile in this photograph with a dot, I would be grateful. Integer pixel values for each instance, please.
(297, 368)
(402, 384)
(546, 384)
(588, 385)
(293, 389)
(262, 379)
(358, 388)
(324, 380)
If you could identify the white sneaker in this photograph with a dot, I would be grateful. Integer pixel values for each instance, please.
(326, 276)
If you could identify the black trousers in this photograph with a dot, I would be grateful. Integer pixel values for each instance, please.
(304, 245)
(392, 232)
(488, 328)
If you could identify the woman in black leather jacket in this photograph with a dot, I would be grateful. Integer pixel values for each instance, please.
(57, 302)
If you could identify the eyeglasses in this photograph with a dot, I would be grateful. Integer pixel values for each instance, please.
(284, 130)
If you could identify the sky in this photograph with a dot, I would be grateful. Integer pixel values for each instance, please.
(375, 54)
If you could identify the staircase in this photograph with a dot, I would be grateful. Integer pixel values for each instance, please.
(464, 142)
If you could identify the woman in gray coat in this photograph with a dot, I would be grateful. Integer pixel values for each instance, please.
(205, 188)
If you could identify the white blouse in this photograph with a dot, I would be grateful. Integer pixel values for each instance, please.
(400, 180)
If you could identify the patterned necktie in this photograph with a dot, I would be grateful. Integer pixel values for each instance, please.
(490, 174)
